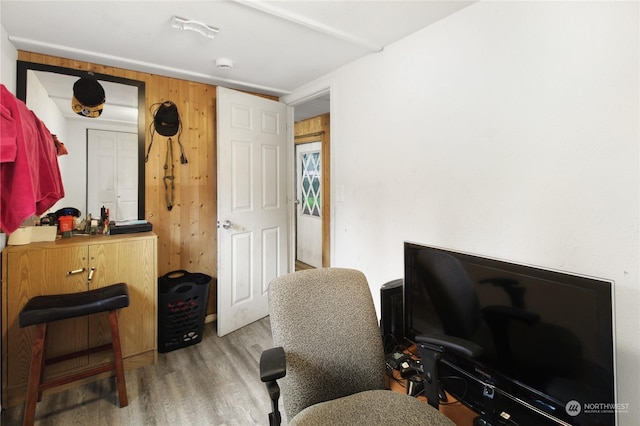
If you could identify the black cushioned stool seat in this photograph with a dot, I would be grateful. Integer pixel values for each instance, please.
(41, 310)
(56, 307)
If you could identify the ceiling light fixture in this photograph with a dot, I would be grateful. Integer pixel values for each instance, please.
(199, 27)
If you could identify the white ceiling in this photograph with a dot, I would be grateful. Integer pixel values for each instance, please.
(275, 46)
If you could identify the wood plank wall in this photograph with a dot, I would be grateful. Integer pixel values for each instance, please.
(187, 235)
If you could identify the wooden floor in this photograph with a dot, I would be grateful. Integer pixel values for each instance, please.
(215, 382)
(300, 266)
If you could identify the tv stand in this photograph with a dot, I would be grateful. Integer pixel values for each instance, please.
(455, 410)
(462, 414)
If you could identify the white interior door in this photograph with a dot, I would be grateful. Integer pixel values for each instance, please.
(102, 169)
(252, 205)
(127, 177)
(308, 203)
(112, 178)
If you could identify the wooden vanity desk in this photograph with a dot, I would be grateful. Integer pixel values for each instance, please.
(63, 266)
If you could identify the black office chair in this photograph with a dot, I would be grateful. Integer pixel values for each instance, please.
(328, 355)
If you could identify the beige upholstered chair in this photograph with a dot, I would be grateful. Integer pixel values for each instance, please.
(324, 322)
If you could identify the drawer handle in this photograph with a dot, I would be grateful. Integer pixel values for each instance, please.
(90, 275)
(75, 271)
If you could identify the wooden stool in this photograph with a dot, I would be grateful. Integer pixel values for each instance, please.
(45, 309)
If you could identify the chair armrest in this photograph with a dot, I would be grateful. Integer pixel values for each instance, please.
(431, 348)
(458, 345)
(273, 364)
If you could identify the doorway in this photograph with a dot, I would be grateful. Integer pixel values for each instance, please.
(313, 197)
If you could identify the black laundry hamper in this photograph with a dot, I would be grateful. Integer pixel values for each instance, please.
(182, 306)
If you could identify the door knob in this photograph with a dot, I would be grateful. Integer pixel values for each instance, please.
(226, 224)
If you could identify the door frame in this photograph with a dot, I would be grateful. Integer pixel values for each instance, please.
(328, 231)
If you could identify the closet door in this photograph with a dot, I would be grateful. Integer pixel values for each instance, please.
(112, 173)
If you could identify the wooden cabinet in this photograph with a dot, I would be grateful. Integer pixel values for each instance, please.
(64, 266)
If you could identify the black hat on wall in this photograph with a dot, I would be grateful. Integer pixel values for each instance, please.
(88, 97)
(166, 119)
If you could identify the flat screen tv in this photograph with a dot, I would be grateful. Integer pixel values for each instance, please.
(547, 336)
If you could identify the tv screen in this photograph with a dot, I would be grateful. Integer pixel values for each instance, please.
(547, 336)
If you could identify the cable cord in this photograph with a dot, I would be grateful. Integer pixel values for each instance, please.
(464, 394)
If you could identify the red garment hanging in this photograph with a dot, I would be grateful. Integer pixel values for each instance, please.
(31, 182)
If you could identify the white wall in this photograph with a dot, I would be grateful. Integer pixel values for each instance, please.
(8, 59)
(509, 129)
(44, 107)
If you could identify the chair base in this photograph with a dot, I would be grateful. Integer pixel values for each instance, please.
(36, 386)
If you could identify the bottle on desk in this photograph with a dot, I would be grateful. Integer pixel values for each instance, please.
(104, 220)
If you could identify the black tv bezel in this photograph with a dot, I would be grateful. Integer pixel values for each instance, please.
(538, 402)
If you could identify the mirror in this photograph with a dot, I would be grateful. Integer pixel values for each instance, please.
(105, 160)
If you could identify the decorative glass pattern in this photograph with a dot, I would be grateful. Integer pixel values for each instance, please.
(311, 184)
